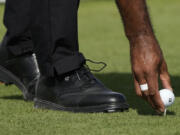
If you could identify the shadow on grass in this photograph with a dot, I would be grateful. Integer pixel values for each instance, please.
(123, 83)
(13, 97)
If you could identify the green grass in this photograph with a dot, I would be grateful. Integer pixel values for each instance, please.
(102, 38)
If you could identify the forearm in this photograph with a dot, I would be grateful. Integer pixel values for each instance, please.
(136, 19)
(146, 56)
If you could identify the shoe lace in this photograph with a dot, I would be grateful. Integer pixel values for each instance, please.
(86, 71)
(98, 63)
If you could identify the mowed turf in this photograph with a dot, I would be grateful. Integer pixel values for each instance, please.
(102, 39)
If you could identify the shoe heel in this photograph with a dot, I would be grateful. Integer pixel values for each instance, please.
(38, 104)
(41, 104)
(4, 77)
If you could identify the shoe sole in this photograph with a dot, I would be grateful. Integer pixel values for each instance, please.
(107, 108)
(9, 78)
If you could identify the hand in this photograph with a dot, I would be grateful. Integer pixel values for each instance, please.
(148, 64)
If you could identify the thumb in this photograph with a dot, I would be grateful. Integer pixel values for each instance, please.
(164, 76)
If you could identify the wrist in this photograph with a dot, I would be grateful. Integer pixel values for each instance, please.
(143, 40)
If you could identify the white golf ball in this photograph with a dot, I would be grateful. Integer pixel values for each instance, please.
(167, 96)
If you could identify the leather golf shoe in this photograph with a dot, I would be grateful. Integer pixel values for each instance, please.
(20, 70)
(77, 91)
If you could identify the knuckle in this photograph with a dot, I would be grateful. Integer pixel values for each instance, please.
(146, 70)
(161, 109)
(152, 93)
(137, 70)
(146, 93)
(139, 75)
(165, 77)
(150, 69)
(139, 94)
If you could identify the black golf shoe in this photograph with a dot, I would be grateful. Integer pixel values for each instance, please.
(78, 91)
(21, 71)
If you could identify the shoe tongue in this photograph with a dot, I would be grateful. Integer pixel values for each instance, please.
(82, 74)
(85, 74)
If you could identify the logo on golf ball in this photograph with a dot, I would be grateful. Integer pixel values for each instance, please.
(170, 99)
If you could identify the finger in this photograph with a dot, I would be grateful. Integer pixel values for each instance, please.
(159, 106)
(140, 80)
(164, 76)
(137, 87)
(144, 95)
(152, 80)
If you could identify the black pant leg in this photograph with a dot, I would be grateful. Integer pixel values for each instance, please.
(16, 20)
(55, 35)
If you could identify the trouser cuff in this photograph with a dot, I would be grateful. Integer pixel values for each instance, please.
(69, 64)
(63, 66)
